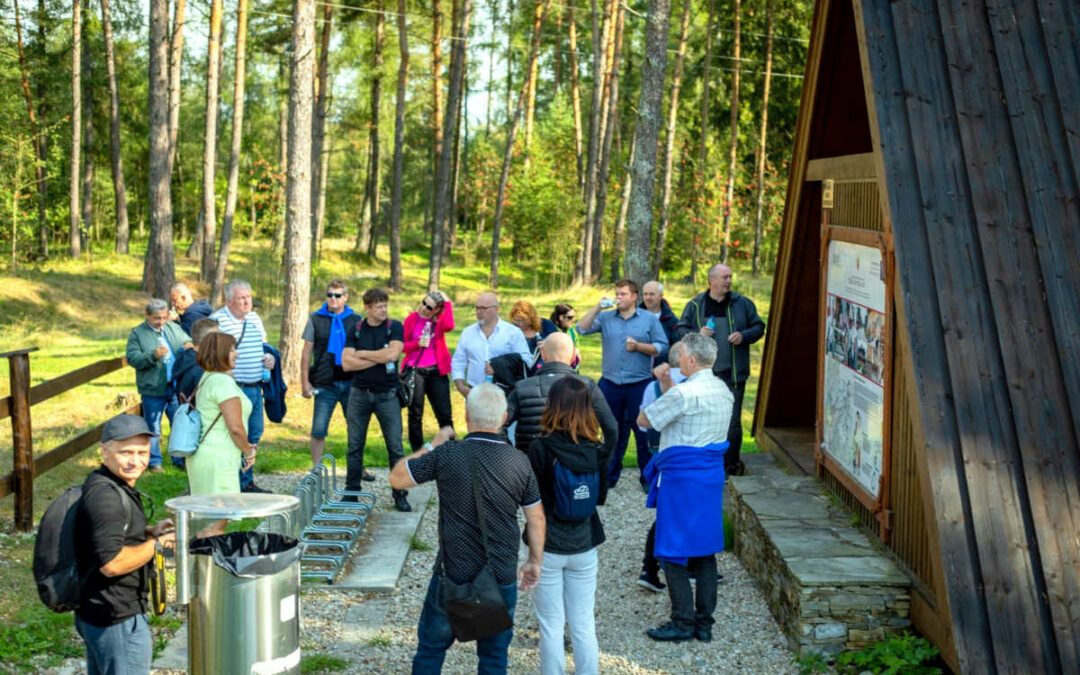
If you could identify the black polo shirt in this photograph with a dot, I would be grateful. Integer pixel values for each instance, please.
(371, 338)
(100, 533)
(507, 482)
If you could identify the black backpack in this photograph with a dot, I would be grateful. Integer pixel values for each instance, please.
(56, 569)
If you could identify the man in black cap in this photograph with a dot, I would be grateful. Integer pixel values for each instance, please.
(114, 547)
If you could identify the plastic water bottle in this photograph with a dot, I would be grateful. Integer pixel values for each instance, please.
(489, 378)
(711, 324)
(266, 375)
(606, 303)
(168, 358)
(427, 330)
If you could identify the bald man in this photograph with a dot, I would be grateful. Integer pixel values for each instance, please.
(486, 339)
(735, 326)
(526, 402)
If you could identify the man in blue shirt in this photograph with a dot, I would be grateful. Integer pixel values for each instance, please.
(631, 338)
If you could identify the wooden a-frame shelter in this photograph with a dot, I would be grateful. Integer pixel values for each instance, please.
(940, 141)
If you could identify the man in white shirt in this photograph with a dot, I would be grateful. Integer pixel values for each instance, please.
(238, 319)
(486, 339)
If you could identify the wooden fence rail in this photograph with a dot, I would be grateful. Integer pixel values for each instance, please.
(20, 481)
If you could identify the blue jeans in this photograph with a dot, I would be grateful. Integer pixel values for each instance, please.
(152, 408)
(329, 396)
(434, 636)
(255, 427)
(387, 409)
(625, 403)
(124, 648)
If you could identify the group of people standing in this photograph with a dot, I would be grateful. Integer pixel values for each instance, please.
(532, 421)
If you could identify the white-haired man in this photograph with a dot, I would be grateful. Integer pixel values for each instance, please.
(507, 483)
(238, 319)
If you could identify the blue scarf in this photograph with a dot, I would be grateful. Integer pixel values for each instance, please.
(336, 344)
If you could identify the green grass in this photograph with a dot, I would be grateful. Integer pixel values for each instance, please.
(418, 544)
(321, 663)
(79, 312)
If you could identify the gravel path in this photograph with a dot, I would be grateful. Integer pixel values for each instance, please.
(746, 638)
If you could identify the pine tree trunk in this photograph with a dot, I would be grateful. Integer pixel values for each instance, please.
(375, 178)
(158, 269)
(575, 97)
(39, 173)
(88, 146)
(534, 69)
(444, 170)
(647, 133)
(509, 58)
(733, 151)
(702, 155)
(508, 153)
(619, 236)
(450, 236)
(584, 263)
(176, 56)
(436, 101)
(612, 109)
(669, 143)
(218, 290)
(209, 202)
(283, 158)
(298, 189)
(758, 222)
(74, 241)
(120, 192)
(493, 14)
(396, 276)
(318, 132)
(43, 140)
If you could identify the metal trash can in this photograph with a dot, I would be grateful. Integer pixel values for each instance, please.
(242, 588)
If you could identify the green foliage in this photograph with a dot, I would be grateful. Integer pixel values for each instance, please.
(905, 653)
(811, 663)
(418, 544)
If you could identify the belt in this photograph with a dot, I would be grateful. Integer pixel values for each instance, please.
(256, 383)
(371, 390)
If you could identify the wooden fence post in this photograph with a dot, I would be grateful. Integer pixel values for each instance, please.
(19, 368)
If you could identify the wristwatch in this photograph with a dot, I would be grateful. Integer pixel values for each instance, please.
(429, 447)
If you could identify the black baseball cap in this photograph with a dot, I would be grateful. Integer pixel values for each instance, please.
(123, 427)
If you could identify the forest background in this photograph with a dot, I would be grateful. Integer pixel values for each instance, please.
(506, 132)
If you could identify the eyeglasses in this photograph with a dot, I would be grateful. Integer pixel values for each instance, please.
(484, 308)
(430, 308)
(569, 317)
(335, 295)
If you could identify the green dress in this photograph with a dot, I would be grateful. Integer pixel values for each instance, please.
(215, 466)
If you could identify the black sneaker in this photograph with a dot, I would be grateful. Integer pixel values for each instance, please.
(368, 476)
(651, 582)
(669, 633)
(401, 502)
(703, 633)
(252, 488)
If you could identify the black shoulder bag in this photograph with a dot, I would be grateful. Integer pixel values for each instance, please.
(476, 609)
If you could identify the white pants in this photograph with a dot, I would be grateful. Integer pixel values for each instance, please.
(566, 594)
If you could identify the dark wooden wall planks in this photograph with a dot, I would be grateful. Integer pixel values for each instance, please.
(975, 113)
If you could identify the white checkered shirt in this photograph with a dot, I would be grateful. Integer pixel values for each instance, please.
(694, 413)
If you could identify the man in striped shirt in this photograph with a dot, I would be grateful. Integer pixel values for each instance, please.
(239, 320)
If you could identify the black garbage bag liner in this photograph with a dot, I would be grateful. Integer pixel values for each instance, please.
(249, 554)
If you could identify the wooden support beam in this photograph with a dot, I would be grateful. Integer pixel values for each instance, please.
(23, 474)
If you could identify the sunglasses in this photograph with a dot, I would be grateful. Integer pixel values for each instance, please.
(335, 295)
(569, 317)
(425, 305)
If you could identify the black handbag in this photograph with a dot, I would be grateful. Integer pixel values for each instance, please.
(406, 386)
(476, 609)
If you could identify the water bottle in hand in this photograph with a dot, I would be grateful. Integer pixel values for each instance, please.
(606, 303)
(266, 375)
(711, 324)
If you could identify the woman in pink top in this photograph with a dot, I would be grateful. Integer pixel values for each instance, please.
(425, 350)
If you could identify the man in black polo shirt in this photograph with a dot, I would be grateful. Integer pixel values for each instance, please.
(321, 374)
(113, 547)
(371, 353)
(507, 483)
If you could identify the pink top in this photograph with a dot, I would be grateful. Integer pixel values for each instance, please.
(414, 327)
(422, 358)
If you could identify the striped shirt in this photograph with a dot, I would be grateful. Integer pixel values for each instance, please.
(249, 352)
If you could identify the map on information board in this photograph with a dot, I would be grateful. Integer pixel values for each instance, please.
(855, 334)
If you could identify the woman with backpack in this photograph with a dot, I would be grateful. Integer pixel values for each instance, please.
(224, 411)
(569, 463)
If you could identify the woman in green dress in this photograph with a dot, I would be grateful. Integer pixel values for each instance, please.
(224, 410)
